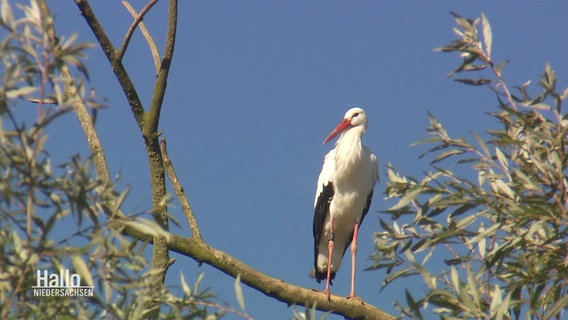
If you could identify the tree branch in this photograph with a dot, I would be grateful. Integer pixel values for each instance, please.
(152, 119)
(182, 198)
(123, 78)
(72, 93)
(146, 122)
(271, 287)
(160, 85)
(138, 17)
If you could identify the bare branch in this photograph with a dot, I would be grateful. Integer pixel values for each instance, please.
(180, 193)
(124, 79)
(152, 119)
(146, 122)
(148, 127)
(273, 287)
(138, 17)
(160, 85)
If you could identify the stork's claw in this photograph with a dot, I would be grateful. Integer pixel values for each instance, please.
(356, 298)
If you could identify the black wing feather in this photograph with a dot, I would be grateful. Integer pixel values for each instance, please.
(321, 211)
(369, 199)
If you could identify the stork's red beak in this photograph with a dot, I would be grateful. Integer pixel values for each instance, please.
(340, 128)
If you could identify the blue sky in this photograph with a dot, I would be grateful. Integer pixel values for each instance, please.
(256, 86)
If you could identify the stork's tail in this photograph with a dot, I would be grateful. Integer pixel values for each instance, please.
(320, 275)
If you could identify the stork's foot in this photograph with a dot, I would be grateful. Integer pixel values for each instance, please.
(326, 292)
(355, 298)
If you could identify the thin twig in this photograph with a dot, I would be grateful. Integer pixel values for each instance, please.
(138, 17)
(118, 68)
(160, 85)
(503, 86)
(180, 193)
(485, 56)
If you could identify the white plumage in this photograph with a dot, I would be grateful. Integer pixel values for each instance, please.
(343, 196)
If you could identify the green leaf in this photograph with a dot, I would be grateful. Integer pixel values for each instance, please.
(429, 279)
(82, 269)
(184, 286)
(463, 209)
(465, 222)
(20, 92)
(481, 246)
(474, 82)
(394, 176)
(385, 226)
(455, 278)
(482, 144)
(484, 234)
(503, 308)
(414, 305)
(446, 154)
(407, 198)
(487, 34)
(6, 13)
(198, 281)
(239, 293)
(398, 274)
(561, 304)
(473, 286)
(466, 24)
(496, 300)
(472, 67)
(502, 188)
(446, 49)
(502, 160)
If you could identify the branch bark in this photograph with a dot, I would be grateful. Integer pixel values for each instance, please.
(147, 121)
(272, 287)
(118, 68)
(138, 17)
(180, 193)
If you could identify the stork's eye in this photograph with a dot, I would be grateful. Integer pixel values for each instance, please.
(355, 115)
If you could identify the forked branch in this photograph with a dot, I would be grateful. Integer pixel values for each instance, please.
(138, 17)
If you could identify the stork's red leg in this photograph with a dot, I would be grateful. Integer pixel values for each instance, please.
(353, 253)
(330, 245)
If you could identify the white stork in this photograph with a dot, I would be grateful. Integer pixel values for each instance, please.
(343, 196)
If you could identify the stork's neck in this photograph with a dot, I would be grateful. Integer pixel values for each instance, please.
(349, 149)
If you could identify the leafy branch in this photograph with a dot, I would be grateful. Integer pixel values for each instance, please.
(475, 47)
(494, 210)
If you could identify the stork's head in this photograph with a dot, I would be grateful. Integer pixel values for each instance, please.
(354, 118)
